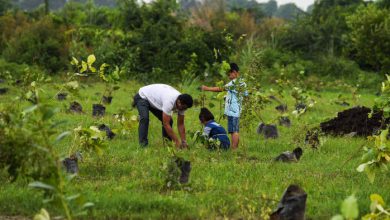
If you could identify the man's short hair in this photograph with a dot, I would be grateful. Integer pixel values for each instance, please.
(186, 99)
(205, 115)
(234, 67)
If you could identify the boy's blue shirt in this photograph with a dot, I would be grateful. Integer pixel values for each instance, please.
(236, 90)
(214, 130)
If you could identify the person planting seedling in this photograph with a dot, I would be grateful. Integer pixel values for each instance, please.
(162, 100)
(236, 89)
(213, 130)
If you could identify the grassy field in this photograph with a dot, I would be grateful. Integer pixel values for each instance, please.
(127, 182)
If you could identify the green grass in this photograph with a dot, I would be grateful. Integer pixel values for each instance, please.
(128, 181)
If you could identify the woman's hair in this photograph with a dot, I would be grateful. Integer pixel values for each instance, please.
(205, 115)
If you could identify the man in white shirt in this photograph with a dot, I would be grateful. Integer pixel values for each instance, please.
(162, 100)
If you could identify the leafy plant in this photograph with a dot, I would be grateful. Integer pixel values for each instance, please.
(382, 103)
(209, 143)
(110, 78)
(28, 140)
(350, 210)
(88, 140)
(376, 157)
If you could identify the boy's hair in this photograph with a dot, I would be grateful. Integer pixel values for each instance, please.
(186, 100)
(234, 67)
(205, 115)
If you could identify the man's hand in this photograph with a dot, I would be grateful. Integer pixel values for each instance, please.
(184, 144)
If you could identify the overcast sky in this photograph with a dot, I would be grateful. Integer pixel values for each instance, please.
(303, 4)
(300, 3)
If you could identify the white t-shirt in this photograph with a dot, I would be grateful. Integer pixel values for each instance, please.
(162, 97)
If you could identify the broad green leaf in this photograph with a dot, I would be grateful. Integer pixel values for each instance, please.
(349, 208)
(91, 59)
(40, 185)
(74, 61)
(93, 69)
(371, 175)
(49, 113)
(88, 205)
(63, 135)
(103, 67)
(377, 198)
(84, 67)
(72, 197)
(337, 217)
(370, 216)
(42, 215)
(381, 209)
(30, 109)
(361, 167)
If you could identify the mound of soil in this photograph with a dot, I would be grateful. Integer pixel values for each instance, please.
(355, 119)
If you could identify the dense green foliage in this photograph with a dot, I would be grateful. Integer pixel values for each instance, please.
(156, 40)
(336, 52)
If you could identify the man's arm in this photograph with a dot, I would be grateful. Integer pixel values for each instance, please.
(169, 130)
(182, 130)
(211, 89)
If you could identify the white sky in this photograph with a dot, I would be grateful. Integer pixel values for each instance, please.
(303, 4)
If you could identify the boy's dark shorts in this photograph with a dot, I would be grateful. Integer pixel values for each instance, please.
(233, 124)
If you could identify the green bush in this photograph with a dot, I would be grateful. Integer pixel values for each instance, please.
(15, 70)
(42, 43)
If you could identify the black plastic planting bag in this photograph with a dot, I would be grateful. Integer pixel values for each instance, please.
(292, 205)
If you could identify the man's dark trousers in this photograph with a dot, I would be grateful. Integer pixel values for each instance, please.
(144, 107)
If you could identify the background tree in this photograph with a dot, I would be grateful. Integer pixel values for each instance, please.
(369, 38)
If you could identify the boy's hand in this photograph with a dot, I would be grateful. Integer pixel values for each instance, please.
(203, 88)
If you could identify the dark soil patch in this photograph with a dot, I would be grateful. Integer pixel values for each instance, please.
(98, 110)
(62, 96)
(109, 133)
(355, 119)
(75, 107)
(3, 91)
(312, 138)
(107, 99)
(268, 130)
